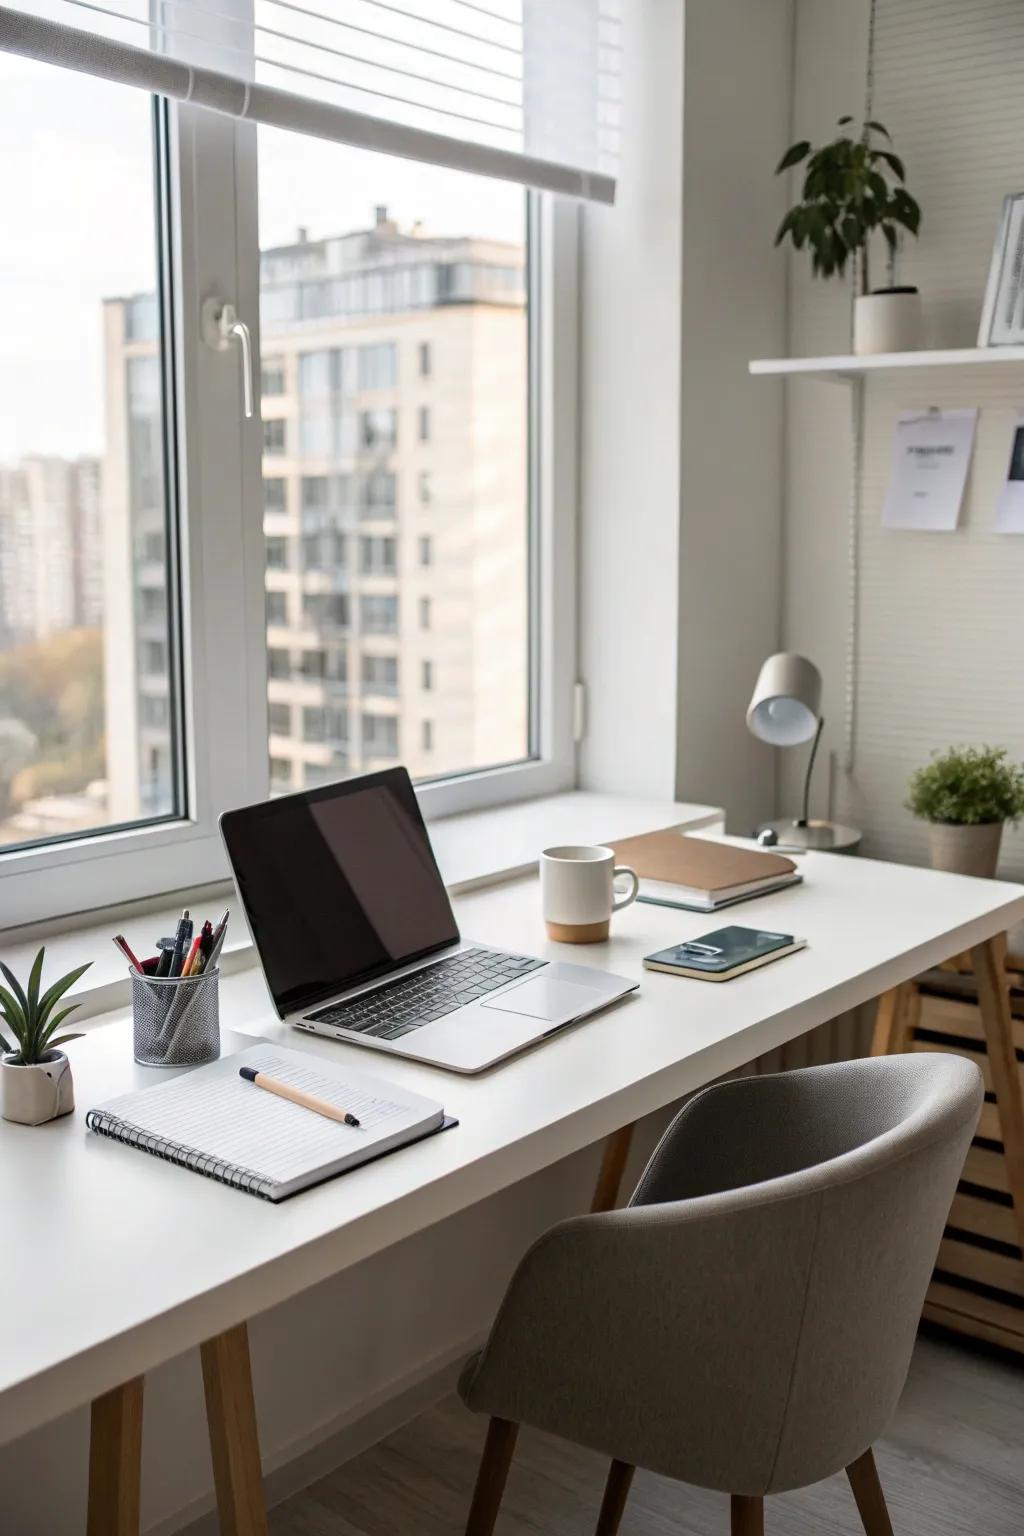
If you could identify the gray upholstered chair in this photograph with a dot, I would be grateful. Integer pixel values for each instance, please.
(746, 1322)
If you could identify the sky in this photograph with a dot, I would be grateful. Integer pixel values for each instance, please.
(77, 226)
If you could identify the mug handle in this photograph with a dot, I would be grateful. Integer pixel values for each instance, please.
(624, 901)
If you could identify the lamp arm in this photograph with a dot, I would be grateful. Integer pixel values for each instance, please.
(805, 816)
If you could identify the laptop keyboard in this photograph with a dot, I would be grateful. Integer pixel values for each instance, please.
(391, 1011)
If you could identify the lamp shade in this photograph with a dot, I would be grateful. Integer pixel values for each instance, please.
(785, 705)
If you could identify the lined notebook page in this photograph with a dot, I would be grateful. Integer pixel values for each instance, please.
(214, 1111)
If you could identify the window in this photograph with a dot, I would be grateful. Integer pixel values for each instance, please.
(426, 675)
(272, 376)
(273, 436)
(380, 676)
(378, 430)
(426, 550)
(277, 554)
(274, 494)
(378, 556)
(277, 608)
(378, 495)
(314, 727)
(84, 483)
(377, 367)
(341, 365)
(427, 735)
(325, 610)
(378, 615)
(380, 736)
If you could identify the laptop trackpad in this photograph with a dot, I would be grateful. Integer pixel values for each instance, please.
(540, 998)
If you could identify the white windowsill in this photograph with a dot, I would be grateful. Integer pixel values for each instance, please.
(473, 849)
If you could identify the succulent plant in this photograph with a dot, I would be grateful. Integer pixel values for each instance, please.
(30, 1018)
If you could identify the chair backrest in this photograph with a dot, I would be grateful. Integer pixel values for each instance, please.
(842, 1177)
(747, 1322)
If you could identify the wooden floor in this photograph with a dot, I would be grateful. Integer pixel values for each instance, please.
(952, 1465)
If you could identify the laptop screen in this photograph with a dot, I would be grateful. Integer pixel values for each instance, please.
(339, 884)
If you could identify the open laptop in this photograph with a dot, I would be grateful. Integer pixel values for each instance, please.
(358, 940)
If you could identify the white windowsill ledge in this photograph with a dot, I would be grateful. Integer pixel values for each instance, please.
(474, 848)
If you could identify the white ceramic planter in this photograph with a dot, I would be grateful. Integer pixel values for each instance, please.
(33, 1095)
(889, 321)
(965, 850)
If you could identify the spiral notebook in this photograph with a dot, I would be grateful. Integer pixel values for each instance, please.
(215, 1123)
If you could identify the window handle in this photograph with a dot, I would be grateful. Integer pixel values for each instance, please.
(221, 326)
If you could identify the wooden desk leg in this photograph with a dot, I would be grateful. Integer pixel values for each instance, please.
(613, 1164)
(115, 1462)
(894, 1021)
(234, 1441)
(994, 1002)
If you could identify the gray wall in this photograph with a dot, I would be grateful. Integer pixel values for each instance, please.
(941, 621)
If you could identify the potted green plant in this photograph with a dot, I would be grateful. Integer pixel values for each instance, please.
(853, 188)
(35, 1074)
(966, 795)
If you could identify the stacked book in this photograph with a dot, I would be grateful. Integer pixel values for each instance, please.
(697, 874)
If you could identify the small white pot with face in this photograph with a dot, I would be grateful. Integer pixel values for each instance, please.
(32, 1095)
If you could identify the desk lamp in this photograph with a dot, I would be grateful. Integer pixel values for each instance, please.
(785, 711)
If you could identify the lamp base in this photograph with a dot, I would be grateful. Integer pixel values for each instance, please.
(801, 836)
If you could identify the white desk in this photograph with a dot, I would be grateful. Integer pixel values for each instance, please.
(132, 1261)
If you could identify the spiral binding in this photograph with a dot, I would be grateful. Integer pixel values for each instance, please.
(184, 1156)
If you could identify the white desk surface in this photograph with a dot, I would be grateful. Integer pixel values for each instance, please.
(130, 1261)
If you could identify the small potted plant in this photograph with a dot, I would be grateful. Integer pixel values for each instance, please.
(966, 795)
(853, 188)
(35, 1075)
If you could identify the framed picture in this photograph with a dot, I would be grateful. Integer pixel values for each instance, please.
(1002, 318)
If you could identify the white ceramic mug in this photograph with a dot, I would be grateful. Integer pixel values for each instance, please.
(577, 885)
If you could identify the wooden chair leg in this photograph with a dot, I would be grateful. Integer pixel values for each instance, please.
(747, 1516)
(613, 1164)
(988, 960)
(616, 1492)
(492, 1476)
(867, 1490)
(234, 1440)
(115, 1462)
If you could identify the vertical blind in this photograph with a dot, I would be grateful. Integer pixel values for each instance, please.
(522, 90)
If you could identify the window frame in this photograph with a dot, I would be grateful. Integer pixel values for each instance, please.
(208, 193)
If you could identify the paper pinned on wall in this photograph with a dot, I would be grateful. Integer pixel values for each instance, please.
(931, 456)
(1010, 506)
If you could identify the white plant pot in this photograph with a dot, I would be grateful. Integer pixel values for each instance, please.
(889, 321)
(33, 1095)
(965, 850)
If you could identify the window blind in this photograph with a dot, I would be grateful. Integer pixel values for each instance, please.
(521, 90)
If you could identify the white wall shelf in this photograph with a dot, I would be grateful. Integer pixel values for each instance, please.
(844, 369)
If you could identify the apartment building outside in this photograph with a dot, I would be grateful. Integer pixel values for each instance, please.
(51, 547)
(394, 387)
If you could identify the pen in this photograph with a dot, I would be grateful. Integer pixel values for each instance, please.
(127, 951)
(163, 964)
(219, 935)
(296, 1096)
(182, 937)
(189, 968)
(201, 951)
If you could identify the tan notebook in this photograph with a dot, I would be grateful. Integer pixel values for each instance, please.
(701, 872)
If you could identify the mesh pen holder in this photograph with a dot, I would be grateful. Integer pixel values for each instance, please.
(176, 1019)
